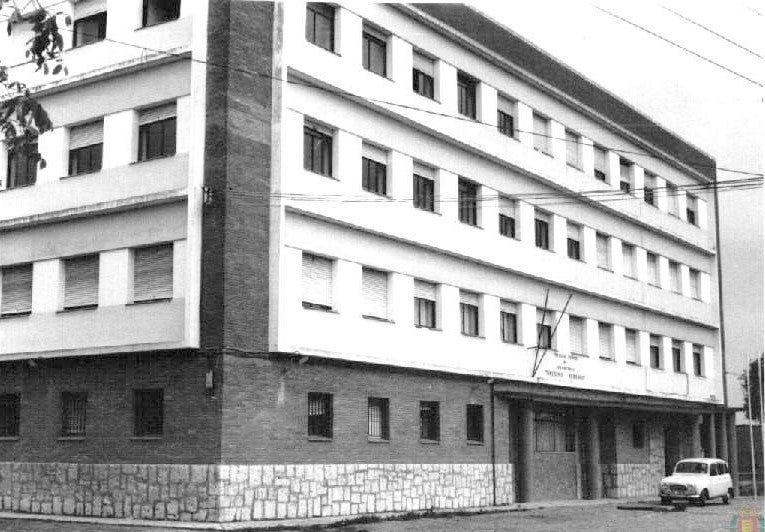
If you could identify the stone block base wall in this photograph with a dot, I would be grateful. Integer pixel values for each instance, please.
(637, 480)
(246, 492)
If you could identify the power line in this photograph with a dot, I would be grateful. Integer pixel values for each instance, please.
(713, 32)
(673, 43)
(349, 94)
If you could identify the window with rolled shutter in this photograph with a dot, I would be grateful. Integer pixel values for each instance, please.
(694, 279)
(653, 269)
(81, 282)
(605, 340)
(153, 273)
(572, 149)
(424, 304)
(573, 241)
(508, 317)
(469, 312)
(630, 338)
(16, 290)
(374, 287)
(600, 164)
(655, 352)
(157, 132)
(604, 256)
(541, 135)
(628, 260)
(317, 282)
(86, 135)
(674, 276)
(576, 335)
(86, 147)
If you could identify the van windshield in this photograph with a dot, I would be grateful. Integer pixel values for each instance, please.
(691, 467)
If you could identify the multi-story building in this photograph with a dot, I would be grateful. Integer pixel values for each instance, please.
(293, 260)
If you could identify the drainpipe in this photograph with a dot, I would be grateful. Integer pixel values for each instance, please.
(493, 448)
(720, 294)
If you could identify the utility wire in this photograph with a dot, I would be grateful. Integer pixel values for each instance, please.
(343, 92)
(673, 43)
(713, 32)
(349, 94)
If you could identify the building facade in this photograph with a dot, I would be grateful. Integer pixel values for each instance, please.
(302, 259)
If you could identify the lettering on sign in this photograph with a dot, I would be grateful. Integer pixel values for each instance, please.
(564, 366)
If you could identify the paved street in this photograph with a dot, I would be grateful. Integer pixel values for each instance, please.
(713, 518)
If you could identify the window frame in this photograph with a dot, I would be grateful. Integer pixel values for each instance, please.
(467, 95)
(467, 202)
(504, 316)
(26, 155)
(321, 427)
(541, 238)
(470, 316)
(423, 83)
(101, 30)
(95, 159)
(562, 431)
(572, 137)
(73, 403)
(698, 360)
(638, 434)
(169, 288)
(4, 270)
(144, 15)
(169, 128)
(315, 10)
(423, 199)
(474, 424)
(430, 421)
(11, 426)
(372, 39)
(383, 403)
(143, 424)
(655, 352)
(322, 138)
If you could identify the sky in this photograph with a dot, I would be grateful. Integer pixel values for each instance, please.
(714, 109)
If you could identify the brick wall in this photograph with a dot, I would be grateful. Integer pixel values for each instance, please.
(265, 417)
(191, 422)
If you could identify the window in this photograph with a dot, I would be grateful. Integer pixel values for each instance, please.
(474, 423)
(576, 335)
(553, 434)
(541, 134)
(373, 170)
(691, 209)
(89, 29)
(159, 11)
(628, 260)
(10, 413)
(653, 269)
(430, 421)
(603, 249)
(320, 25)
(73, 406)
(153, 273)
(601, 163)
(638, 435)
(423, 75)
(148, 412)
(320, 415)
(541, 230)
(674, 276)
(631, 340)
(573, 149)
(156, 132)
(86, 148)
(506, 116)
(649, 188)
(378, 418)
(698, 360)
(606, 341)
(374, 52)
(677, 357)
(508, 321)
(573, 241)
(22, 165)
(81, 282)
(317, 282)
(507, 217)
(374, 288)
(467, 193)
(625, 175)
(694, 276)
(469, 304)
(673, 206)
(544, 328)
(424, 192)
(424, 304)
(655, 352)
(466, 95)
(317, 149)
(16, 290)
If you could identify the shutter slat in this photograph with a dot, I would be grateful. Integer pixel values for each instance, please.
(155, 114)
(374, 153)
(425, 290)
(86, 8)
(600, 159)
(423, 64)
(86, 135)
(506, 106)
(375, 293)
(507, 207)
(469, 298)
(16, 290)
(153, 273)
(81, 281)
(604, 340)
(424, 171)
(576, 328)
(508, 306)
(317, 280)
(572, 231)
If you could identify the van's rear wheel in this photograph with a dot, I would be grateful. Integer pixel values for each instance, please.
(703, 498)
(728, 496)
(665, 501)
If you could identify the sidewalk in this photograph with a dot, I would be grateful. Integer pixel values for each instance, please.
(134, 525)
